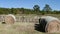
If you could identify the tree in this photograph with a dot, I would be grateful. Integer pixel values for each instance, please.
(11, 11)
(22, 9)
(47, 8)
(36, 8)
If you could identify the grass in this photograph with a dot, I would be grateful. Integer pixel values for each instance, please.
(18, 28)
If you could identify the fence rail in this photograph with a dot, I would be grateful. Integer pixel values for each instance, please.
(33, 19)
(26, 18)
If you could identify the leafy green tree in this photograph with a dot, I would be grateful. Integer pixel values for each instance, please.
(11, 10)
(36, 8)
(22, 10)
(47, 8)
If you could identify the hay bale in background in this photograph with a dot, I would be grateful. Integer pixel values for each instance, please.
(50, 24)
(10, 19)
(53, 27)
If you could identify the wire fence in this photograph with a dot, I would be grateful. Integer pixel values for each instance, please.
(31, 19)
(27, 18)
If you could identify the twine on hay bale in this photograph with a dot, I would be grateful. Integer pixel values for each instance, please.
(10, 19)
(50, 24)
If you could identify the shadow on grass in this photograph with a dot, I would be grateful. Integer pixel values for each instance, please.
(41, 26)
(38, 28)
(3, 23)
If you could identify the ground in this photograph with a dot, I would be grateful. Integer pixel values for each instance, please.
(19, 28)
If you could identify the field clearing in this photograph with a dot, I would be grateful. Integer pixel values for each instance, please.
(21, 27)
(18, 28)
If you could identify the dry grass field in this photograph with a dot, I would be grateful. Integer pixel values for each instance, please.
(20, 28)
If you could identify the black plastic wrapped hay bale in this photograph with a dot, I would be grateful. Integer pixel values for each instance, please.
(49, 24)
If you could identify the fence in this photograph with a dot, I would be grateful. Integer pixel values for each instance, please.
(27, 18)
(31, 19)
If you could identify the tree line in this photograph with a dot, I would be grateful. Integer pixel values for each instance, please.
(36, 10)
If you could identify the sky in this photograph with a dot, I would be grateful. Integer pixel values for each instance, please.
(54, 4)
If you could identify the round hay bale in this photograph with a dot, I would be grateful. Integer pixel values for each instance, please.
(10, 19)
(50, 24)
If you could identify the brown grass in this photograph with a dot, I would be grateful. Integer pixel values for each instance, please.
(18, 28)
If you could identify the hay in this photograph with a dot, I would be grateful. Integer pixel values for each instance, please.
(50, 24)
(10, 19)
